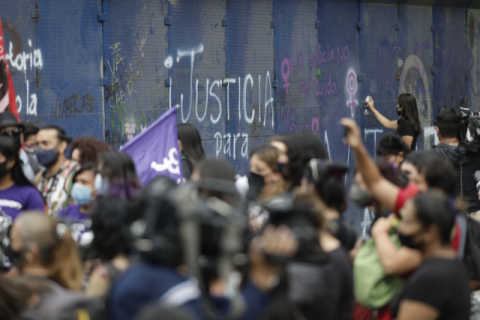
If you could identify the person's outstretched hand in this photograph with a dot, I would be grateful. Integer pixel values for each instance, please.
(353, 135)
(371, 104)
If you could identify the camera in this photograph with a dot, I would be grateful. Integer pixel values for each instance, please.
(304, 224)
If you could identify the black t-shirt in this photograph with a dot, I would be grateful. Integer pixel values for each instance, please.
(441, 284)
(345, 233)
(406, 128)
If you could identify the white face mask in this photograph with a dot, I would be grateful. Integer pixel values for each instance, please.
(101, 185)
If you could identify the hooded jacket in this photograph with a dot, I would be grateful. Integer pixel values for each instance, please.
(466, 159)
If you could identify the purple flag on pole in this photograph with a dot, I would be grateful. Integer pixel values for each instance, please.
(155, 150)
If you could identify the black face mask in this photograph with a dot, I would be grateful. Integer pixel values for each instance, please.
(407, 241)
(3, 169)
(399, 112)
(16, 257)
(255, 183)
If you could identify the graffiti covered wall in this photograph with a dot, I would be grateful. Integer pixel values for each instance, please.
(241, 70)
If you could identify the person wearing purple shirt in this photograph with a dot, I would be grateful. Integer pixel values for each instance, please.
(83, 193)
(17, 194)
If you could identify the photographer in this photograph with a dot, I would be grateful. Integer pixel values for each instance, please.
(466, 162)
(166, 252)
(319, 276)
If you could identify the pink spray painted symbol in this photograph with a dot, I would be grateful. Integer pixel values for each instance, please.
(352, 88)
(286, 75)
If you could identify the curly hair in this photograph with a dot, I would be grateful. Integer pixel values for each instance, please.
(301, 148)
(90, 148)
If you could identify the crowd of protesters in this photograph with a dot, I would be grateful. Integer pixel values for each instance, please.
(81, 238)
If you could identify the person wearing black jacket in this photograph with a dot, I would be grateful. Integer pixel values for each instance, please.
(465, 158)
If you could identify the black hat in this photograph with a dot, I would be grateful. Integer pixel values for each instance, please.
(8, 119)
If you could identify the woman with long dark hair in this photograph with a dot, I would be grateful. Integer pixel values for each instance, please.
(191, 147)
(408, 126)
(16, 192)
(116, 176)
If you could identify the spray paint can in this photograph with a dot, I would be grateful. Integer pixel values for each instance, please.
(366, 109)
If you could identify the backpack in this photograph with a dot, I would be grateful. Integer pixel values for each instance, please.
(373, 288)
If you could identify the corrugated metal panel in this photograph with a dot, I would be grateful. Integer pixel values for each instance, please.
(296, 40)
(197, 49)
(449, 56)
(69, 36)
(379, 50)
(339, 91)
(135, 74)
(250, 72)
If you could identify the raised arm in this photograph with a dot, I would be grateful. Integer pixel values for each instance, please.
(389, 124)
(380, 189)
(396, 261)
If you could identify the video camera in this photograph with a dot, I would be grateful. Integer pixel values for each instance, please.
(207, 234)
(302, 220)
(470, 125)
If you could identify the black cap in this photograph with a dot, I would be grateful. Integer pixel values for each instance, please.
(8, 119)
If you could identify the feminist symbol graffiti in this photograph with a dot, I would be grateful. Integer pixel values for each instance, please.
(352, 88)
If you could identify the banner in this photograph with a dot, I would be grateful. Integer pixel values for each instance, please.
(155, 150)
(7, 92)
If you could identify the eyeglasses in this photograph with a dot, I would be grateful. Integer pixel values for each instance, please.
(12, 132)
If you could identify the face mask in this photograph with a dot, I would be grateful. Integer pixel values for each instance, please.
(399, 112)
(255, 183)
(46, 157)
(360, 197)
(101, 186)
(407, 241)
(16, 257)
(30, 151)
(81, 194)
(3, 169)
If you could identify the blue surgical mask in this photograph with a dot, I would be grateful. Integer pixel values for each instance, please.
(81, 194)
(46, 157)
(101, 185)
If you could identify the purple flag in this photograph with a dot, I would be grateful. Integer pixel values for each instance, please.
(155, 150)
